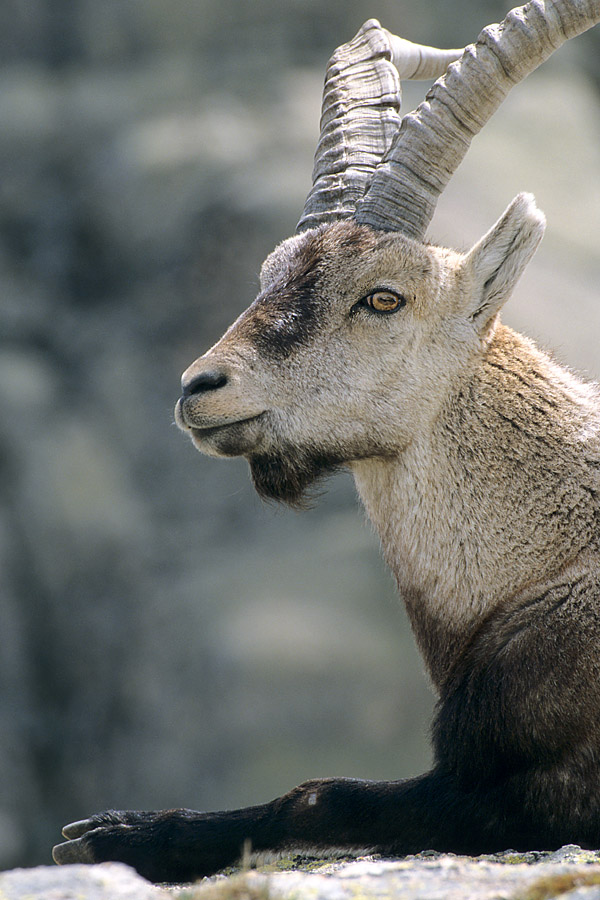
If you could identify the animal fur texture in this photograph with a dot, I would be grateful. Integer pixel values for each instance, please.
(476, 457)
(478, 461)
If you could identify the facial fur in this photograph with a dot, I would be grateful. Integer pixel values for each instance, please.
(325, 375)
(313, 376)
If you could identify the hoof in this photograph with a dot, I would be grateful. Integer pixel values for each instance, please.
(76, 829)
(72, 852)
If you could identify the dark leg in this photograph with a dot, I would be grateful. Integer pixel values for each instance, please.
(517, 747)
(397, 817)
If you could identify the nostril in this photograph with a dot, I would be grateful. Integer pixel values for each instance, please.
(205, 381)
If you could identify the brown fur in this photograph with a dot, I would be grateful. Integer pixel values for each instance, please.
(478, 461)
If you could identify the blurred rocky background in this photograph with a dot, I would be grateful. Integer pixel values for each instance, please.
(165, 639)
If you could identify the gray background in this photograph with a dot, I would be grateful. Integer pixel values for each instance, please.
(165, 639)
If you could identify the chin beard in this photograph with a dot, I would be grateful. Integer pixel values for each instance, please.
(291, 475)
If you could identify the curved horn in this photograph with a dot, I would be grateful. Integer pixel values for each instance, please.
(433, 140)
(416, 62)
(360, 116)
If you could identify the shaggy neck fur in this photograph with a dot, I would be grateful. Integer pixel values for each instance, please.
(497, 501)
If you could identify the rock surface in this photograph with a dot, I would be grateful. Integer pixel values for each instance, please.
(165, 640)
(108, 881)
(569, 872)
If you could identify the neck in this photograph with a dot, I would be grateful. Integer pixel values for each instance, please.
(491, 503)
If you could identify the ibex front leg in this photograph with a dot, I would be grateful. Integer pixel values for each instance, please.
(396, 817)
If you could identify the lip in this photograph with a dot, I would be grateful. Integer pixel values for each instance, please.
(182, 422)
(235, 437)
(238, 438)
(203, 433)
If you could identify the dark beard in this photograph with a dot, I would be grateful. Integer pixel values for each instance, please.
(289, 476)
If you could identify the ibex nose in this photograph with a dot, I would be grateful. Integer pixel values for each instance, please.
(204, 381)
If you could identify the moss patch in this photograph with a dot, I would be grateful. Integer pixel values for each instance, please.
(233, 887)
(550, 886)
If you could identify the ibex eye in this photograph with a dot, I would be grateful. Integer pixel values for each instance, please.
(384, 301)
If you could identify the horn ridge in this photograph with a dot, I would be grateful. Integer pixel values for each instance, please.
(360, 115)
(433, 140)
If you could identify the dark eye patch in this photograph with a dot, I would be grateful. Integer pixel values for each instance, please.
(286, 315)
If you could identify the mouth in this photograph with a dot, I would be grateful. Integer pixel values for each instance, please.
(230, 438)
(205, 433)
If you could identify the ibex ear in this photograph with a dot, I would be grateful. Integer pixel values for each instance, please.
(494, 265)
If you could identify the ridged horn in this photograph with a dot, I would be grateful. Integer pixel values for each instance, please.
(360, 116)
(433, 140)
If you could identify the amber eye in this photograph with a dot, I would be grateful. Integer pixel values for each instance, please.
(384, 301)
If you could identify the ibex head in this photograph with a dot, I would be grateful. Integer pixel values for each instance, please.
(361, 329)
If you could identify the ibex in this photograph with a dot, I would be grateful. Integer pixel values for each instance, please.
(476, 456)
